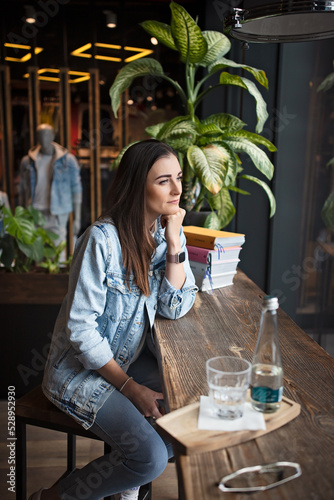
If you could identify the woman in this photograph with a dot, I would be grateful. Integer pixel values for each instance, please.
(126, 267)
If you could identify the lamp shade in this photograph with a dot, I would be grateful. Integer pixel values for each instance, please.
(286, 21)
(30, 14)
(111, 18)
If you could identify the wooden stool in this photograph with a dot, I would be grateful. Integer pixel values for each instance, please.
(35, 409)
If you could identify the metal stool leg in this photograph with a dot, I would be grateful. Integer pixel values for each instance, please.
(71, 452)
(107, 449)
(145, 492)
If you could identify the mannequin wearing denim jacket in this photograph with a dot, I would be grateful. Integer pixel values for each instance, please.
(59, 180)
(101, 369)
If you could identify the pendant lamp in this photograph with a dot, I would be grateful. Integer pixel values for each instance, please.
(285, 21)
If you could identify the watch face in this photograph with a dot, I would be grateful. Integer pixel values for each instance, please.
(182, 257)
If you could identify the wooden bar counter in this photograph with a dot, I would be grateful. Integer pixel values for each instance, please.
(226, 323)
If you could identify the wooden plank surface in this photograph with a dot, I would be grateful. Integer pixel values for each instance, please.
(226, 323)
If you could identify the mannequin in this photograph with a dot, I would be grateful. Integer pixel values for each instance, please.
(50, 181)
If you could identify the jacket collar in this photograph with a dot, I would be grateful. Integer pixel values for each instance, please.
(58, 151)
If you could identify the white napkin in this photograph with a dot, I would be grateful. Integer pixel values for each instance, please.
(251, 420)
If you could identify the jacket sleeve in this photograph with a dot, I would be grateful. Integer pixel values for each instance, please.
(76, 186)
(173, 303)
(87, 298)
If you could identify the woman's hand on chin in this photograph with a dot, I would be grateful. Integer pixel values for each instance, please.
(173, 223)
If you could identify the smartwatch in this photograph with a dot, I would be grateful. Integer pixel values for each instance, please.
(177, 258)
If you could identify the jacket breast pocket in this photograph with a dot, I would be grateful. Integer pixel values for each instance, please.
(123, 296)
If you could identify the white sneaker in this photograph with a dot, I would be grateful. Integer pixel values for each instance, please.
(131, 494)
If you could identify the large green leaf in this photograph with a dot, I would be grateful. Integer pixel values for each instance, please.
(212, 221)
(161, 31)
(180, 136)
(225, 210)
(236, 189)
(266, 188)
(210, 165)
(206, 140)
(36, 216)
(233, 167)
(222, 63)
(117, 160)
(261, 107)
(47, 236)
(254, 138)
(181, 144)
(209, 129)
(153, 130)
(327, 212)
(259, 158)
(179, 133)
(50, 234)
(177, 125)
(232, 160)
(188, 37)
(135, 69)
(33, 250)
(18, 225)
(218, 46)
(225, 121)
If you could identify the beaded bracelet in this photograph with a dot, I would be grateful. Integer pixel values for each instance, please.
(127, 380)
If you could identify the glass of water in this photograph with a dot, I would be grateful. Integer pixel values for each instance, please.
(228, 380)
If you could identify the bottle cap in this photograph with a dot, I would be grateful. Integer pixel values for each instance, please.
(270, 302)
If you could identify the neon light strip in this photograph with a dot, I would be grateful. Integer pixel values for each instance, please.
(25, 58)
(82, 75)
(80, 52)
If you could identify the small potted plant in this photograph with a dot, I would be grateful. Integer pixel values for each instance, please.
(208, 148)
(30, 259)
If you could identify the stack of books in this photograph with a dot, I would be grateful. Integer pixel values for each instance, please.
(213, 256)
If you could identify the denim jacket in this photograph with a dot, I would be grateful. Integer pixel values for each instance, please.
(103, 316)
(66, 188)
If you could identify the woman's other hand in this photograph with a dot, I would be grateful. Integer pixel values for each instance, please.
(144, 399)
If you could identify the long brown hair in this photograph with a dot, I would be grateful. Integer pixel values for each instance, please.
(125, 206)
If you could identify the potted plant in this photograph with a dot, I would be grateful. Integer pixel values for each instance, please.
(208, 148)
(32, 271)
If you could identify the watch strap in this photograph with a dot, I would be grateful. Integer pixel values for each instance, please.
(177, 258)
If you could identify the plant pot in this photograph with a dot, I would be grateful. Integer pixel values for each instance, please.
(32, 288)
(196, 218)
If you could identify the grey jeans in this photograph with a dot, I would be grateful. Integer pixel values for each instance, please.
(138, 454)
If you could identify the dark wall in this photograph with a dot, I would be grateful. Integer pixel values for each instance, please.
(274, 251)
(296, 71)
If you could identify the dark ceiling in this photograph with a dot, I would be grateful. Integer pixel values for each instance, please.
(64, 25)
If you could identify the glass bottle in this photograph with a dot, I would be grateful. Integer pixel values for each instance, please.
(267, 369)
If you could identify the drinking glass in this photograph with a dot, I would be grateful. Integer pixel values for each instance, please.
(228, 380)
